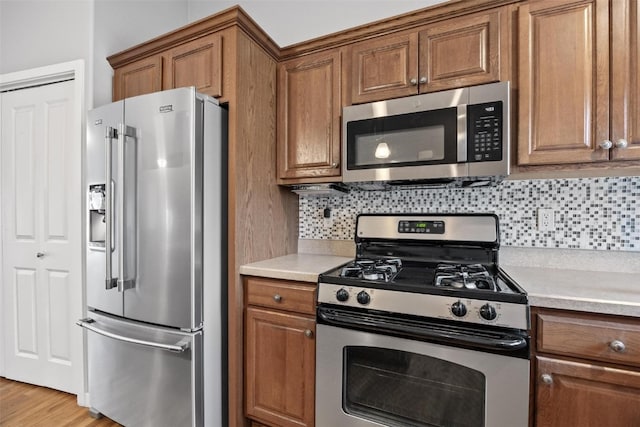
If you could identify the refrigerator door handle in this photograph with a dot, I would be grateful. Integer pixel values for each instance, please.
(123, 283)
(110, 281)
(180, 347)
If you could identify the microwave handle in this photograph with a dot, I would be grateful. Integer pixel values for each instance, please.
(462, 133)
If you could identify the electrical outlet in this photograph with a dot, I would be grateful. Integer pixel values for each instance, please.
(546, 221)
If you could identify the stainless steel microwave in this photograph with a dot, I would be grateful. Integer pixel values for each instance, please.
(457, 137)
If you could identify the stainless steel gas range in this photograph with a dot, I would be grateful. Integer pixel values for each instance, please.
(423, 328)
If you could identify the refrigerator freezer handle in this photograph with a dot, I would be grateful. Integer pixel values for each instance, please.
(180, 347)
(110, 281)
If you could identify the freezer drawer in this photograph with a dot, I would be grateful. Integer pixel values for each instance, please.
(141, 375)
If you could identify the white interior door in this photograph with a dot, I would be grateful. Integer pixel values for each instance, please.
(41, 236)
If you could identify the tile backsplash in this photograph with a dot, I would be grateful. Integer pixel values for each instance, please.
(589, 213)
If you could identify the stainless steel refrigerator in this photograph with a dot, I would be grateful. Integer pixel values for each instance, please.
(155, 253)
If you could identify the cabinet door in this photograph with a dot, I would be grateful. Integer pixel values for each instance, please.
(625, 79)
(460, 52)
(579, 394)
(309, 117)
(197, 63)
(564, 81)
(280, 367)
(385, 67)
(138, 78)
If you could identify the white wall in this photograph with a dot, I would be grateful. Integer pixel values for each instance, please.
(293, 21)
(35, 33)
(121, 24)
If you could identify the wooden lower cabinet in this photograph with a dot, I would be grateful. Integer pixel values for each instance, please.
(572, 393)
(587, 370)
(279, 355)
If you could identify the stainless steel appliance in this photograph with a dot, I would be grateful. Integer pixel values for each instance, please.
(423, 328)
(155, 281)
(456, 137)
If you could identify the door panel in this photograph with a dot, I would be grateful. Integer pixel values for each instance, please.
(23, 177)
(24, 285)
(58, 317)
(41, 173)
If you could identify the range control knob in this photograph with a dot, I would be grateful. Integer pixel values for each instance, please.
(459, 309)
(342, 295)
(363, 298)
(488, 312)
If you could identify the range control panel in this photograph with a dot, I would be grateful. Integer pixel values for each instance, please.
(424, 227)
(479, 311)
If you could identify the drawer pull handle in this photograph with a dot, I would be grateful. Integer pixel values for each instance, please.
(547, 379)
(277, 298)
(308, 333)
(617, 346)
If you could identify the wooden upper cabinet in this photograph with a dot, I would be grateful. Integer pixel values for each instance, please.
(197, 63)
(454, 53)
(138, 78)
(625, 79)
(461, 52)
(578, 81)
(309, 110)
(385, 67)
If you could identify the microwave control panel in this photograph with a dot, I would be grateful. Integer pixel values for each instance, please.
(485, 132)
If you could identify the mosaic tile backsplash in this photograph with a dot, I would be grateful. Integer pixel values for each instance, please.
(589, 213)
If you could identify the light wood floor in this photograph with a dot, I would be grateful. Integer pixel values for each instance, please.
(26, 405)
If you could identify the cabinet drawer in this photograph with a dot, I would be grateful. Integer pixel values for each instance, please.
(590, 337)
(281, 294)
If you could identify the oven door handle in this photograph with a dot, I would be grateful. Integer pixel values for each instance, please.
(423, 330)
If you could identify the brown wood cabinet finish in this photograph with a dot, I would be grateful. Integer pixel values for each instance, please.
(580, 377)
(576, 77)
(454, 53)
(197, 63)
(571, 393)
(588, 338)
(625, 78)
(138, 78)
(309, 118)
(280, 354)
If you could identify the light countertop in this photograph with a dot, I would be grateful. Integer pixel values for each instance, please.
(300, 267)
(550, 287)
(582, 290)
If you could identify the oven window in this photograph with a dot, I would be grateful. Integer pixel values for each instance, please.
(402, 389)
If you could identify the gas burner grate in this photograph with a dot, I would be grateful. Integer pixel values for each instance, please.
(467, 276)
(373, 269)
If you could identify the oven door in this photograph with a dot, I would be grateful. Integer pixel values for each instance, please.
(366, 379)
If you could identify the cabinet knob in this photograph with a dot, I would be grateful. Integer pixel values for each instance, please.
(39, 254)
(547, 379)
(622, 143)
(606, 144)
(334, 165)
(423, 80)
(413, 81)
(617, 346)
(308, 333)
(277, 298)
